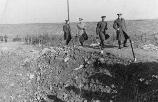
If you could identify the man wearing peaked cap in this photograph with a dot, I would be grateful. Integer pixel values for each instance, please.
(67, 32)
(103, 16)
(121, 31)
(119, 14)
(101, 31)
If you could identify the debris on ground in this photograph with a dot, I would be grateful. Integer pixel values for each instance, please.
(150, 47)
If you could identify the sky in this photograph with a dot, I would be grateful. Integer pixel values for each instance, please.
(53, 11)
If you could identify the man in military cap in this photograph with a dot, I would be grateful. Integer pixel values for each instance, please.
(81, 29)
(101, 30)
(67, 32)
(121, 31)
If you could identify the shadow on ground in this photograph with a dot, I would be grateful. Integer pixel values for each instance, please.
(54, 98)
(136, 82)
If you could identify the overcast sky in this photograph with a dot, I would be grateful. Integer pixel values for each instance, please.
(49, 11)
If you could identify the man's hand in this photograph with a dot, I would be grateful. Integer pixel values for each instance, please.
(97, 37)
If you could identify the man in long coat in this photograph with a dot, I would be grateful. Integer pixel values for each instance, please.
(121, 31)
(101, 30)
(81, 27)
(67, 32)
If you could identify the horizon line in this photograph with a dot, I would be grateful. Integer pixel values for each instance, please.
(70, 22)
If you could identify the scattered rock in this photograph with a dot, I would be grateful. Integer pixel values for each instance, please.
(66, 59)
(94, 44)
(150, 47)
(80, 67)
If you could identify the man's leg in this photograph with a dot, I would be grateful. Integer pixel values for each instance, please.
(118, 37)
(101, 36)
(69, 39)
(66, 38)
(119, 43)
(81, 39)
(126, 38)
(124, 43)
(102, 44)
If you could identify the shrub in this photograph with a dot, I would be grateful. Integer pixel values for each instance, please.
(17, 38)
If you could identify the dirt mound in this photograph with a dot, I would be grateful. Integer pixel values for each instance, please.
(74, 75)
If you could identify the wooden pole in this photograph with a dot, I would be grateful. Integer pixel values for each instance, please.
(68, 10)
(132, 50)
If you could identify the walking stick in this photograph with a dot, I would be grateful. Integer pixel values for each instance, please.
(132, 51)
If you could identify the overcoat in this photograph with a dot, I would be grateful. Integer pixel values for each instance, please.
(121, 30)
(101, 30)
(81, 31)
(67, 32)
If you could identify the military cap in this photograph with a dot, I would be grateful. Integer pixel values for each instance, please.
(119, 14)
(103, 16)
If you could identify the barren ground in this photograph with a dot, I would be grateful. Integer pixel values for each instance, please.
(16, 80)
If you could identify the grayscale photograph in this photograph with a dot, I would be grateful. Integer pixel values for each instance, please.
(78, 50)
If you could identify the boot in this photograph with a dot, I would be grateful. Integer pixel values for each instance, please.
(119, 43)
(81, 43)
(102, 45)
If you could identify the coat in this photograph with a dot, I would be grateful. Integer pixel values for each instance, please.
(80, 28)
(101, 30)
(82, 32)
(121, 30)
(67, 31)
(101, 27)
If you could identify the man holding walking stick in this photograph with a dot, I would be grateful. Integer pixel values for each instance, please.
(121, 31)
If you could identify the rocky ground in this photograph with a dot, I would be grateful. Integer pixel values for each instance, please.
(76, 74)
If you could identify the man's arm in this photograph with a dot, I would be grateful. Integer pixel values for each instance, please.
(84, 26)
(115, 25)
(63, 28)
(106, 26)
(97, 28)
(69, 29)
(77, 30)
(124, 23)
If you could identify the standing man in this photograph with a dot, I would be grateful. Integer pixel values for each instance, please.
(1, 38)
(81, 26)
(121, 31)
(101, 31)
(5, 38)
(67, 32)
